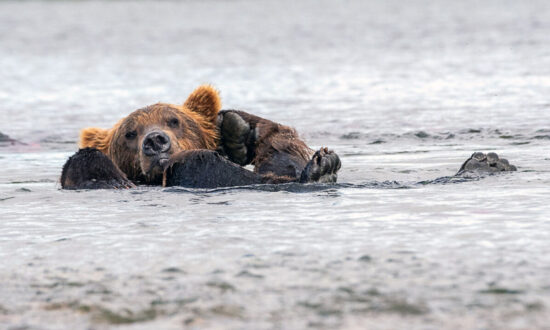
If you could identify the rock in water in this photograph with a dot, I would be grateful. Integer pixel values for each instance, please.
(4, 138)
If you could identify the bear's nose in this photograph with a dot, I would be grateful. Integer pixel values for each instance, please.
(155, 143)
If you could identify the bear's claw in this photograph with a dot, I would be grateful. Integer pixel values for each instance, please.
(486, 163)
(322, 167)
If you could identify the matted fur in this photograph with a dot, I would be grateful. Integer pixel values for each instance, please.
(279, 138)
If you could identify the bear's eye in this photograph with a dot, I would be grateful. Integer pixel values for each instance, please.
(131, 135)
(174, 122)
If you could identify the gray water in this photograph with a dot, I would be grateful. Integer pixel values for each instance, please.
(403, 91)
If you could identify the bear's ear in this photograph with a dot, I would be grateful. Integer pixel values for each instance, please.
(205, 100)
(93, 137)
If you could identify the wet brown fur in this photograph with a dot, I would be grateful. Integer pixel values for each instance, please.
(279, 138)
(275, 138)
(196, 129)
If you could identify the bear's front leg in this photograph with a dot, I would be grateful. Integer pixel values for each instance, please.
(89, 168)
(206, 169)
(481, 163)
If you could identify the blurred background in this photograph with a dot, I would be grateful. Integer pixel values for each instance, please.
(380, 66)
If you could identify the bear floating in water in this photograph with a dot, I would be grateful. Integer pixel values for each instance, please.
(198, 145)
(194, 145)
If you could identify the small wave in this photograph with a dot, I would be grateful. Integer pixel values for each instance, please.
(319, 187)
(296, 187)
(32, 181)
(463, 134)
(56, 139)
(286, 187)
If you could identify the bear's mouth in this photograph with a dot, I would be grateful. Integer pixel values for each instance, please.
(156, 165)
(163, 162)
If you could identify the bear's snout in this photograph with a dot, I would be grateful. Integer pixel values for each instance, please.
(155, 143)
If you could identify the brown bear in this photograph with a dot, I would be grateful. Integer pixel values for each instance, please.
(194, 145)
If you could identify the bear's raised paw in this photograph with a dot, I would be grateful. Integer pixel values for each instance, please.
(236, 137)
(322, 167)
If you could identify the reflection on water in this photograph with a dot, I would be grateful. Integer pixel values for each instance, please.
(403, 92)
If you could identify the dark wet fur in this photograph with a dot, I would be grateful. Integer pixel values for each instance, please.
(91, 169)
(206, 169)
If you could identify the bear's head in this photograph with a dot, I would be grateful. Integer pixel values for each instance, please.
(142, 143)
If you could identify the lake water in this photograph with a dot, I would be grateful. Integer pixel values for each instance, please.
(403, 91)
